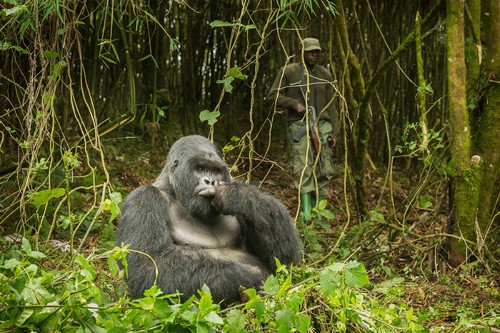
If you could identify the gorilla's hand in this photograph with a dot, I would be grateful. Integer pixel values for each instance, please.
(230, 197)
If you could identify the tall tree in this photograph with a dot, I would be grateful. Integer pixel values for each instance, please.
(485, 144)
(476, 175)
(459, 124)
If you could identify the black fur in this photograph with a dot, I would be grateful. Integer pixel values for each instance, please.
(225, 239)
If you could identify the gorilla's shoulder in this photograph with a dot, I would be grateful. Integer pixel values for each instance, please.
(145, 195)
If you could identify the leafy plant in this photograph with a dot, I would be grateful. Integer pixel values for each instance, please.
(209, 116)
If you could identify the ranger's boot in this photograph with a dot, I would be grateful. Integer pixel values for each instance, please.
(305, 206)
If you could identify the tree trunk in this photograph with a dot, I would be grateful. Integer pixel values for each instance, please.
(473, 48)
(465, 193)
(486, 140)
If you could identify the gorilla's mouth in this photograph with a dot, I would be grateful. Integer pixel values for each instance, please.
(200, 205)
(207, 193)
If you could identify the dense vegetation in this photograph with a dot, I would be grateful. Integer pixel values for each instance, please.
(93, 93)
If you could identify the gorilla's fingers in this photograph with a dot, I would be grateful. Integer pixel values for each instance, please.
(209, 192)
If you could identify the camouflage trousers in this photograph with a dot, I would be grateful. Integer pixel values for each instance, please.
(309, 175)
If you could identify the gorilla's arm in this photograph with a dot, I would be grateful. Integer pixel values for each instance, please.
(269, 229)
(144, 225)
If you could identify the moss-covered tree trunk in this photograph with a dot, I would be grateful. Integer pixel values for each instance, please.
(465, 187)
(473, 47)
(476, 180)
(488, 134)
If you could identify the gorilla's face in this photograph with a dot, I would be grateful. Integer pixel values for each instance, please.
(195, 164)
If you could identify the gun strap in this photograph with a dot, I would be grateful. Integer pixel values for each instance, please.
(313, 86)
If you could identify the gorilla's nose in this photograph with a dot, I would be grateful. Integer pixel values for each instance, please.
(208, 181)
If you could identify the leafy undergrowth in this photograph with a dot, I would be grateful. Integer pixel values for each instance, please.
(40, 293)
(81, 297)
(355, 277)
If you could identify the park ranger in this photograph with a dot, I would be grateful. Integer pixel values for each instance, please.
(305, 91)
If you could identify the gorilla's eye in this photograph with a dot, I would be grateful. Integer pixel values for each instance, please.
(200, 169)
(207, 170)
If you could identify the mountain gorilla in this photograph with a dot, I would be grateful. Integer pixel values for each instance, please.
(201, 227)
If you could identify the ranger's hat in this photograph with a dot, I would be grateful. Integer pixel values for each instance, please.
(311, 44)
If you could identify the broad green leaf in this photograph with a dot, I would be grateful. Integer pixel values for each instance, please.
(425, 201)
(236, 73)
(206, 301)
(28, 295)
(295, 301)
(24, 316)
(214, 318)
(329, 280)
(227, 83)
(152, 292)
(11, 263)
(355, 275)
(236, 322)
(87, 270)
(50, 54)
(284, 320)
(209, 116)
(272, 285)
(327, 214)
(26, 246)
(162, 309)
(113, 205)
(58, 68)
(260, 309)
(336, 267)
(37, 254)
(302, 323)
(42, 197)
(114, 269)
(190, 316)
(13, 10)
(146, 303)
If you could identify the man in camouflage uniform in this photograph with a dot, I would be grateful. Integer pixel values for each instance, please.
(305, 90)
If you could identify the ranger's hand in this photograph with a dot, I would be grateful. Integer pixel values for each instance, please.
(300, 108)
(332, 141)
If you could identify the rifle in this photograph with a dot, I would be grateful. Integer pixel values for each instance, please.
(313, 133)
(313, 130)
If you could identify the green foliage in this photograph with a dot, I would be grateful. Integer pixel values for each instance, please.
(291, 9)
(313, 242)
(222, 24)
(412, 137)
(209, 116)
(42, 197)
(232, 74)
(113, 205)
(82, 298)
(425, 88)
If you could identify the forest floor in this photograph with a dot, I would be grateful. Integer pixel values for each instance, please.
(445, 294)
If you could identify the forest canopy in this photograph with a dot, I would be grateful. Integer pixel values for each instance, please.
(93, 93)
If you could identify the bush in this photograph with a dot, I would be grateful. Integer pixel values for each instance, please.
(81, 297)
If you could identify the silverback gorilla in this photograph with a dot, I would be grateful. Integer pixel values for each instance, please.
(201, 227)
